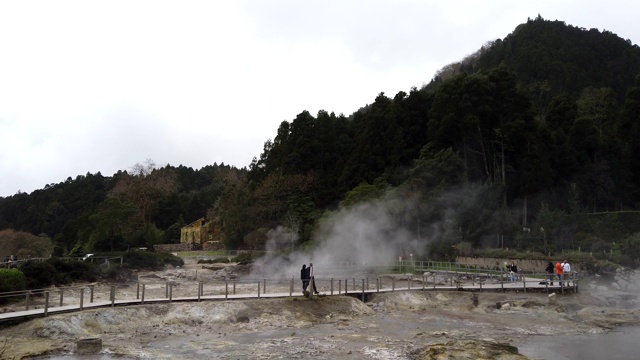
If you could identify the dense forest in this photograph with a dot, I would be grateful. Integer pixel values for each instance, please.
(532, 143)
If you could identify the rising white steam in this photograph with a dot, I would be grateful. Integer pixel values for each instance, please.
(370, 235)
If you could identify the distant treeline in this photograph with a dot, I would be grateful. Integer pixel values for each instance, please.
(525, 137)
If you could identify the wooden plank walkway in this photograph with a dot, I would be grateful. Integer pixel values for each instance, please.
(526, 284)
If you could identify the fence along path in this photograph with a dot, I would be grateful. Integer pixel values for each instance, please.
(44, 302)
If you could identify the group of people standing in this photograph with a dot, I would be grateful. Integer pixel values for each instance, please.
(10, 262)
(306, 275)
(512, 269)
(561, 269)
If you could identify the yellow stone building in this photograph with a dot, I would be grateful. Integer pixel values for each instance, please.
(199, 232)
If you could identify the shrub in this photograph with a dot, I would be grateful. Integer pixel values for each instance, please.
(71, 271)
(214, 261)
(56, 272)
(605, 267)
(509, 254)
(142, 260)
(169, 259)
(242, 258)
(38, 274)
(12, 280)
(150, 260)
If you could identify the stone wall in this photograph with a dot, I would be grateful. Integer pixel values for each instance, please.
(213, 246)
(177, 247)
(523, 264)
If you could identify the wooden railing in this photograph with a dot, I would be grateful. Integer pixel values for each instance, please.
(39, 302)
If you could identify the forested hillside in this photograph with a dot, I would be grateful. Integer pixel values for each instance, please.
(536, 137)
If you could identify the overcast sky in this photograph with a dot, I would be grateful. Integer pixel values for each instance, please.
(98, 86)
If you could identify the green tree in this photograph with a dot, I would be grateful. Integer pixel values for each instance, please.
(628, 131)
(231, 212)
(364, 192)
(487, 119)
(630, 248)
(434, 172)
(112, 226)
(173, 233)
(256, 239)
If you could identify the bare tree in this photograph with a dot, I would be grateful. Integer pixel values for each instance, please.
(144, 188)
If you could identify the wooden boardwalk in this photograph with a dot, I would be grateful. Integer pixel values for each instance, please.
(364, 291)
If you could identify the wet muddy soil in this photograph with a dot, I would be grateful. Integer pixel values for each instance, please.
(409, 325)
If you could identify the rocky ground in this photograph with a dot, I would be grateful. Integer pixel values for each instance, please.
(407, 325)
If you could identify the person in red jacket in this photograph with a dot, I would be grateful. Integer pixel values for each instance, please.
(559, 272)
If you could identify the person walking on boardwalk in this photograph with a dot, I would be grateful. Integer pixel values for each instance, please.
(559, 272)
(566, 271)
(304, 276)
(313, 281)
(550, 269)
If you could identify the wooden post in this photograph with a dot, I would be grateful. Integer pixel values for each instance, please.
(91, 294)
(81, 298)
(377, 284)
(291, 287)
(346, 283)
(143, 289)
(113, 295)
(138, 291)
(362, 290)
(258, 289)
(546, 285)
(226, 289)
(339, 286)
(26, 300)
(61, 296)
(264, 286)
(170, 292)
(331, 286)
(393, 283)
(234, 288)
(46, 303)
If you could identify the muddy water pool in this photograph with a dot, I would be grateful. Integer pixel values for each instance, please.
(623, 344)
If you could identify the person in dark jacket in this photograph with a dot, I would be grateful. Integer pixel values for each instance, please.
(304, 276)
(550, 269)
(513, 269)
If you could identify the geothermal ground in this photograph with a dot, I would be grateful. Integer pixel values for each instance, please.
(404, 325)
